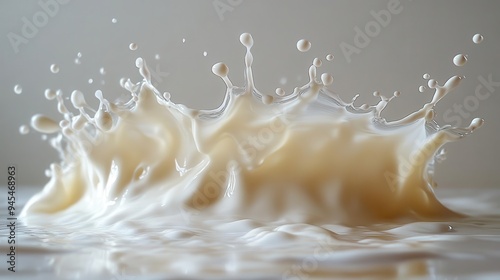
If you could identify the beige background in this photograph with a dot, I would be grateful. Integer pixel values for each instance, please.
(421, 36)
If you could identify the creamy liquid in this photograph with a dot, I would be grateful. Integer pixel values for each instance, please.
(289, 185)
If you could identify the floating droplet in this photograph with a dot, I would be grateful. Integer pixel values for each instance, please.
(50, 94)
(24, 129)
(205, 53)
(460, 60)
(77, 59)
(91, 81)
(422, 88)
(133, 46)
(102, 71)
(18, 89)
(426, 76)
(54, 68)
(44, 124)
(157, 56)
(280, 92)
(303, 45)
(114, 20)
(327, 79)
(329, 57)
(397, 93)
(477, 39)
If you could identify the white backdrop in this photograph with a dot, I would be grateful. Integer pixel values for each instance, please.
(391, 54)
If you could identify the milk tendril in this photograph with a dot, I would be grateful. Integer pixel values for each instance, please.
(301, 156)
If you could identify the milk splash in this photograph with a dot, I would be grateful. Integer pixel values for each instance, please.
(302, 157)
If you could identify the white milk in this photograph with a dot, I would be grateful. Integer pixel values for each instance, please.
(292, 185)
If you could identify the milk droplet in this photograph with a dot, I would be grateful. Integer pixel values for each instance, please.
(77, 59)
(18, 89)
(122, 82)
(397, 93)
(303, 45)
(44, 124)
(166, 95)
(376, 93)
(54, 68)
(103, 120)
(267, 99)
(102, 71)
(143, 69)
(184, 40)
(133, 46)
(280, 91)
(50, 94)
(422, 88)
(453, 82)
(317, 62)
(460, 60)
(246, 39)
(329, 57)
(432, 83)
(77, 99)
(24, 129)
(114, 20)
(157, 56)
(64, 123)
(426, 76)
(477, 39)
(220, 69)
(205, 53)
(475, 124)
(91, 81)
(327, 79)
